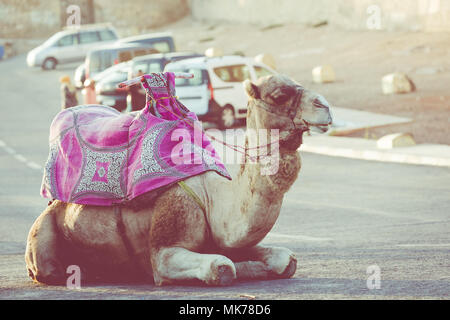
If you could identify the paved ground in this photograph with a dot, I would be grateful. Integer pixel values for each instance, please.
(367, 149)
(340, 217)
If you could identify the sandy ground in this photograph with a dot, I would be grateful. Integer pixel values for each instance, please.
(360, 59)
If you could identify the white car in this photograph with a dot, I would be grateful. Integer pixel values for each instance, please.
(70, 45)
(216, 92)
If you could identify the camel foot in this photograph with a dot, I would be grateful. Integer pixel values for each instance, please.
(290, 269)
(222, 275)
(175, 264)
(261, 262)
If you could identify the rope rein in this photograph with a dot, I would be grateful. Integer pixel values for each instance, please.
(237, 148)
(191, 123)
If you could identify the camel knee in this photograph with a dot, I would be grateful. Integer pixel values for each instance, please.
(52, 275)
(40, 254)
(43, 269)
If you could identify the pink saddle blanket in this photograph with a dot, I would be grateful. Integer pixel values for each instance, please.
(99, 156)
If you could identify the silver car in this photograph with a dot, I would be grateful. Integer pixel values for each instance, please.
(70, 45)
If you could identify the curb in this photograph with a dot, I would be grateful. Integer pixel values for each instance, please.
(397, 155)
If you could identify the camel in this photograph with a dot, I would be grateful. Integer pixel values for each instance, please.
(168, 238)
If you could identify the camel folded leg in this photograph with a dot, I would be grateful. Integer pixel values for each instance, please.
(263, 262)
(41, 252)
(176, 264)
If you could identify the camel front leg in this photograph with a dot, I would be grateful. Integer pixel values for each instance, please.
(176, 264)
(264, 262)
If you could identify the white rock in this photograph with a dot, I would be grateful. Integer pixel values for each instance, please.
(396, 140)
(396, 83)
(266, 59)
(213, 52)
(323, 74)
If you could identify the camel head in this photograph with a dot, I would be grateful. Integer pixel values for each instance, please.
(280, 103)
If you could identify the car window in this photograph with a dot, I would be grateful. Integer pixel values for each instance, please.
(196, 81)
(100, 60)
(89, 37)
(237, 73)
(94, 61)
(143, 67)
(154, 67)
(261, 72)
(66, 41)
(107, 60)
(116, 77)
(53, 40)
(107, 35)
(162, 46)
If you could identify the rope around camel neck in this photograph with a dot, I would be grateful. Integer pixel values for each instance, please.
(231, 146)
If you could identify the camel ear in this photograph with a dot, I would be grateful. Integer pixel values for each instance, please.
(251, 89)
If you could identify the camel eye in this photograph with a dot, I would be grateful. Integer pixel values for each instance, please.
(281, 99)
(282, 95)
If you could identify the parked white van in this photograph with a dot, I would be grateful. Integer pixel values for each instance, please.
(216, 92)
(70, 45)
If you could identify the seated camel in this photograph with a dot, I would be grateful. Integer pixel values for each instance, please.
(170, 238)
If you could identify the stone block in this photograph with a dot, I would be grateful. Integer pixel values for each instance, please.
(396, 140)
(323, 74)
(213, 52)
(396, 82)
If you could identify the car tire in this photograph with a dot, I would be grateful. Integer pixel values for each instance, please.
(227, 117)
(49, 64)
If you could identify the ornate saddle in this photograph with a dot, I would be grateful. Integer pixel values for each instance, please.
(99, 156)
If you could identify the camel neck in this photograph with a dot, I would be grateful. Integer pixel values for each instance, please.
(251, 203)
(262, 194)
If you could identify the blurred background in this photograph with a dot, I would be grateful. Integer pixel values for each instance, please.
(382, 65)
(354, 44)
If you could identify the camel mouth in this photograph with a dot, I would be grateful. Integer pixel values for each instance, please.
(321, 128)
(318, 127)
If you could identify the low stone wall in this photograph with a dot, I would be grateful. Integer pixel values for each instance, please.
(30, 19)
(137, 16)
(404, 15)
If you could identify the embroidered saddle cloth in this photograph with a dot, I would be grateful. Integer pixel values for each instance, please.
(99, 156)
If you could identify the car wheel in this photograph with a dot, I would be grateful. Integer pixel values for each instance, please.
(227, 118)
(49, 64)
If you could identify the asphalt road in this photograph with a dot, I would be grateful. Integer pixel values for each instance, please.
(341, 217)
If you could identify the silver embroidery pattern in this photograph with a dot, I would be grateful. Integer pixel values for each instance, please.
(113, 173)
(156, 82)
(76, 110)
(49, 176)
(148, 158)
(209, 161)
(204, 154)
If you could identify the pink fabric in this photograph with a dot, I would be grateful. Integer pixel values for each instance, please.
(99, 156)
